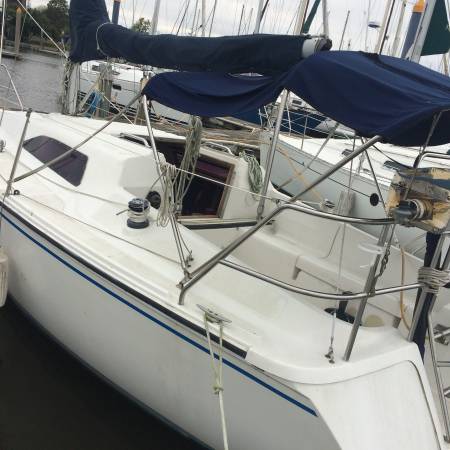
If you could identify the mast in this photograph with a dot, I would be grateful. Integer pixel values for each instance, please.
(367, 28)
(203, 18)
(399, 28)
(423, 30)
(248, 21)
(413, 26)
(240, 20)
(195, 17)
(303, 8)
(384, 26)
(155, 17)
(326, 29)
(197, 20)
(212, 17)
(344, 30)
(115, 13)
(183, 17)
(258, 16)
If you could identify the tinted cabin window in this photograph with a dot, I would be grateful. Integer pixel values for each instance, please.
(45, 148)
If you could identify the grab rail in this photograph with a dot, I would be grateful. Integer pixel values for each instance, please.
(430, 155)
(316, 294)
(202, 270)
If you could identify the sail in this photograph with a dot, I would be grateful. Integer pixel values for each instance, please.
(93, 36)
(311, 16)
(437, 41)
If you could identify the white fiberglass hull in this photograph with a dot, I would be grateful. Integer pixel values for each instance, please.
(155, 359)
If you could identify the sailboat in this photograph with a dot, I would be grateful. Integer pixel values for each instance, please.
(235, 314)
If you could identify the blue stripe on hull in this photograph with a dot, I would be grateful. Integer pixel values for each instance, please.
(160, 323)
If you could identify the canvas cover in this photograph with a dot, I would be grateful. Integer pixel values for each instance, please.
(373, 94)
(93, 36)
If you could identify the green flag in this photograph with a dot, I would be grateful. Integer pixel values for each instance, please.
(437, 41)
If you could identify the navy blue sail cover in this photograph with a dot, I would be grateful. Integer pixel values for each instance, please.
(94, 37)
(214, 94)
(373, 94)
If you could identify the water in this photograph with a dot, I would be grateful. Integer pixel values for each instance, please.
(38, 79)
(48, 400)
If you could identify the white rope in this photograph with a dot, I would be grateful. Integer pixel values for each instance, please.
(255, 177)
(189, 161)
(168, 173)
(433, 279)
(211, 317)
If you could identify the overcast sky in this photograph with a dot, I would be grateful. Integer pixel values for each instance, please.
(280, 16)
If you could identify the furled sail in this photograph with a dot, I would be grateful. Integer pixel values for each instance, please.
(93, 36)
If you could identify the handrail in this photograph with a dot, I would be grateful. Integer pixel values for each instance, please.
(218, 146)
(131, 136)
(207, 266)
(429, 155)
(317, 294)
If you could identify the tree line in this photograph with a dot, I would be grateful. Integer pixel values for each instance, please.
(53, 18)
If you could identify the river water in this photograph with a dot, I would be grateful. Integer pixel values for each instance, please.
(48, 400)
(38, 79)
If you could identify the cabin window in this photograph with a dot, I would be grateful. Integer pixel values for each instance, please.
(117, 87)
(95, 68)
(45, 149)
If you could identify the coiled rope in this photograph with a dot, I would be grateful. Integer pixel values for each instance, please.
(255, 177)
(189, 161)
(433, 279)
(168, 174)
(178, 180)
